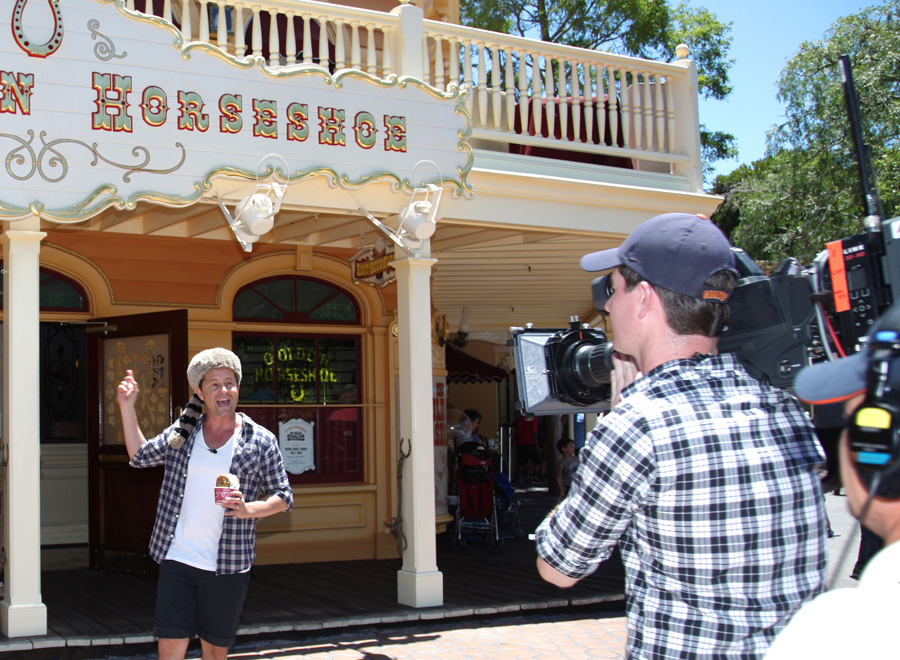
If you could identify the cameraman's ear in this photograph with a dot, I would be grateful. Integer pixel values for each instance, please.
(852, 404)
(648, 298)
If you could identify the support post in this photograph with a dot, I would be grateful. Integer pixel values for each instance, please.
(22, 612)
(419, 583)
(409, 41)
(687, 109)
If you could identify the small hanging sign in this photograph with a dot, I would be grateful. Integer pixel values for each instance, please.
(373, 264)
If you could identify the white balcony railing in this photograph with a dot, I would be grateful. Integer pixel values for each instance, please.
(525, 95)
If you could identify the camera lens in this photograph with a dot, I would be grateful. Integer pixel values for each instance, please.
(594, 364)
(579, 366)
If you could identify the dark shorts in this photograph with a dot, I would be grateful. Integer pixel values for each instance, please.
(192, 602)
(529, 453)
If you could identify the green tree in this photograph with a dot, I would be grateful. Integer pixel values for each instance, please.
(643, 28)
(806, 191)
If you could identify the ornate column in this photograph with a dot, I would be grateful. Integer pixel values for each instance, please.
(21, 610)
(419, 583)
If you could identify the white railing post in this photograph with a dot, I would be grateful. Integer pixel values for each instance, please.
(323, 40)
(590, 95)
(371, 58)
(240, 44)
(307, 40)
(481, 85)
(340, 45)
(256, 33)
(274, 54)
(290, 48)
(186, 19)
(536, 106)
(685, 137)
(222, 25)
(408, 41)
(204, 21)
(510, 91)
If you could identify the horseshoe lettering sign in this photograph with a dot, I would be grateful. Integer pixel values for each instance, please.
(37, 50)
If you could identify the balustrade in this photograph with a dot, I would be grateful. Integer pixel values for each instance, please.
(528, 95)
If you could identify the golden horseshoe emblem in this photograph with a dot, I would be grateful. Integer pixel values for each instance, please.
(37, 50)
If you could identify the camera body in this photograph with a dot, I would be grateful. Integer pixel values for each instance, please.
(562, 371)
(778, 324)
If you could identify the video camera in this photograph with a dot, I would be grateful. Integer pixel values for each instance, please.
(778, 323)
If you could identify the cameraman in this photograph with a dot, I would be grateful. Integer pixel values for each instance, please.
(704, 476)
(850, 622)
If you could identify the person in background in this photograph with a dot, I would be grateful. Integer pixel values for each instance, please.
(845, 623)
(527, 452)
(705, 477)
(475, 417)
(204, 548)
(567, 466)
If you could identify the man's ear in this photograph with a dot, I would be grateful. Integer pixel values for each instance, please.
(648, 298)
(199, 394)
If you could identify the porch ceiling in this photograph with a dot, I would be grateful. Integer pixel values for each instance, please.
(505, 275)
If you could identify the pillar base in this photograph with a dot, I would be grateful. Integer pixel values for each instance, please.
(23, 620)
(420, 589)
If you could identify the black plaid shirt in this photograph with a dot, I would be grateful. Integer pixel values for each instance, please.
(706, 478)
(256, 462)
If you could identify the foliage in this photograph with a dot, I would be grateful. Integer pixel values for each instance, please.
(649, 29)
(806, 191)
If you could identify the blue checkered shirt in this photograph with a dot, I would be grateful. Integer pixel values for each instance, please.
(707, 480)
(256, 462)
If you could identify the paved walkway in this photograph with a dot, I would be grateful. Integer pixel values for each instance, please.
(600, 636)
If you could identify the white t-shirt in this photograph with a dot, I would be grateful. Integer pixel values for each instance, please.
(199, 527)
(848, 623)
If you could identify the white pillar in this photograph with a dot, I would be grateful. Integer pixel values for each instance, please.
(22, 611)
(408, 41)
(419, 583)
(687, 115)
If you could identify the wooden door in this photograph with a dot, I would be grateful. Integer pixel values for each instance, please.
(122, 499)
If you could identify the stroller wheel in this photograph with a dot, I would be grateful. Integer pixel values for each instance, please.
(520, 532)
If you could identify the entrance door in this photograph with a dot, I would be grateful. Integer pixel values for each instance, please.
(122, 499)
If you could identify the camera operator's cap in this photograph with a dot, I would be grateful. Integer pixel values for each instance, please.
(212, 358)
(677, 251)
(839, 380)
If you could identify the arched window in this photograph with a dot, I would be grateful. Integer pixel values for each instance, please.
(304, 387)
(294, 300)
(58, 293)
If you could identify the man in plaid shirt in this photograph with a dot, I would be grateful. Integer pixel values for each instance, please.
(705, 477)
(205, 548)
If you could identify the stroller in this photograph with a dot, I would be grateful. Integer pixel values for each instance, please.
(476, 512)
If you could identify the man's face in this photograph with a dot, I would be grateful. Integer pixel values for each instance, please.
(621, 307)
(219, 391)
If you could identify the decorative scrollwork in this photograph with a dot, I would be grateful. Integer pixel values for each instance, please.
(37, 50)
(104, 49)
(52, 166)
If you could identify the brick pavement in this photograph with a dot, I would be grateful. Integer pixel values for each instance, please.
(548, 637)
(596, 634)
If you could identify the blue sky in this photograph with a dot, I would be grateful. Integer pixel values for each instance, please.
(765, 34)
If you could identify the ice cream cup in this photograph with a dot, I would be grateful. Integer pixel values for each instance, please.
(226, 484)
